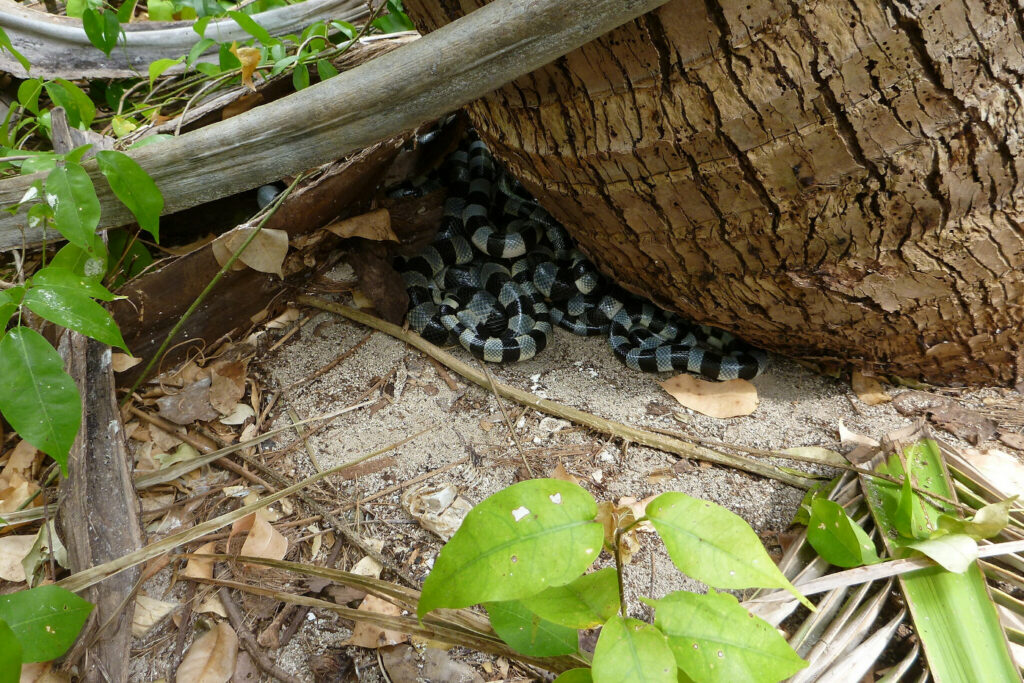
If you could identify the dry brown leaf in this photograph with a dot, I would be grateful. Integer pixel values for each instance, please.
(1013, 440)
(264, 541)
(848, 436)
(284, 320)
(13, 550)
(265, 253)
(367, 567)
(375, 225)
(250, 59)
(563, 474)
(16, 493)
(868, 389)
(122, 361)
(734, 398)
(42, 672)
(211, 604)
(368, 635)
(437, 507)
(189, 405)
(227, 386)
(201, 567)
(613, 517)
(361, 300)
(148, 613)
(1000, 467)
(21, 462)
(211, 659)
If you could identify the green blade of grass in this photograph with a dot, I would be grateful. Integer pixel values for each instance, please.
(953, 614)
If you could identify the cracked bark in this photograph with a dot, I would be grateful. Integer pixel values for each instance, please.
(839, 182)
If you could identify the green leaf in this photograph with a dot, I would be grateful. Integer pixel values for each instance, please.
(250, 26)
(75, 155)
(227, 58)
(630, 650)
(5, 44)
(955, 552)
(150, 139)
(987, 522)
(76, 210)
(75, 312)
(820, 490)
(126, 11)
(46, 620)
(81, 262)
(514, 544)
(158, 66)
(28, 94)
(8, 306)
(160, 10)
(585, 603)
(208, 69)
(10, 655)
(102, 29)
(198, 49)
(575, 676)
(37, 397)
(837, 538)
(714, 545)
(79, 108)
(527, 633)
(134, 187)
(909, 516)
(300, 77)
(325, 69)
(67, 282)
(715, 639)
(132, 263)
(346, 28)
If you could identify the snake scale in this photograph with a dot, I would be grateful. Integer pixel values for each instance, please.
(502, 272)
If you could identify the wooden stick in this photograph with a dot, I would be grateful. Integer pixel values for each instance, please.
(598, 424)
(397, 91)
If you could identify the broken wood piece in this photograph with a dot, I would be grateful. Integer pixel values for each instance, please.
(419, 81)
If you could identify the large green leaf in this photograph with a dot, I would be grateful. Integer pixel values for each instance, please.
(76, 210)
(521, 540)
(586, 602)
(37, 397)
(575, 676)
(250, 26)
(630, 651)
(8, 306)
(529, 634)
(76, 312)
(89, 264)
(955, 619)
(45, 620)
(134, 187)
(714, 545)
(5, 44)
(102, 29)
(79, 109)
(715, 640)
(837, 538)
(10, 655)
(67, 281)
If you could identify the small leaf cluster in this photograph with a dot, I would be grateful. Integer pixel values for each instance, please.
(921, 525)
(38, 625)
(524, 554)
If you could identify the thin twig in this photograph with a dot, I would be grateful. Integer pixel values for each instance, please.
(248, 642)
(511, 425)
(639, 436)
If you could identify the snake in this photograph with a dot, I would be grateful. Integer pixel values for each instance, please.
(502, 272)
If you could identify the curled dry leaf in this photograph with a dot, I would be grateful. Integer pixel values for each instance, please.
(847, 436)
(201, 567)
(734, 398)
(868, 389)
(211, 659)
(437, 508)
(1000, 467)
(367, 567)
(613, 517)
(122, 361)
(264, 541)
(368, 635)
(238, 415)
(189, 405)
(250, 59)
(265, 253)
(13, 550)
(227, 386)
(563, 474)
(374, 225)
(42, 672)
(211, 604)
(149, 612)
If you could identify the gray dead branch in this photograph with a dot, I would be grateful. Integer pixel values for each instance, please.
(393, 93)
(56, 46)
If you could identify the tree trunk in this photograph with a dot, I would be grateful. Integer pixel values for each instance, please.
(839, 182)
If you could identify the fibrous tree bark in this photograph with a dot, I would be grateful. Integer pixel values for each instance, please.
(838, 181)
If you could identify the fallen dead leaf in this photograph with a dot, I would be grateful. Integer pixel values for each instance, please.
(13, 550)
(367, 567)
(264, 540)
(1013, 440)
(375, 225)
(613, 517)
(437, 508)
(201, 567)
(282, 321)
(149, 612)
(368, 635)
(189, 405)
(400, 663)
(250, 59)
(868, 389)
(563, 474)
(238, 415)
(265, 253)
(42, 672)
(122, 361)
(1000, 467)
(734, 398)
(361, 300)
(211, 604)
(211, 659)
(21, 462)
(848, 436)
(227, 386)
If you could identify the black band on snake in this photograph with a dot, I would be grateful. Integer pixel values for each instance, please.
(501, 271)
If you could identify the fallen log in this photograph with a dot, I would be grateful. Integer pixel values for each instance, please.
(56, 46)
(393, 93)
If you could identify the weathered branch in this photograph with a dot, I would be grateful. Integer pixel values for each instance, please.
(395, 92)
(57, 45)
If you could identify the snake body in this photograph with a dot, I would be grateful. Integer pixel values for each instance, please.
(502, 271)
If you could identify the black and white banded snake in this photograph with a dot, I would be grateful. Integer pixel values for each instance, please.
(501, 271)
